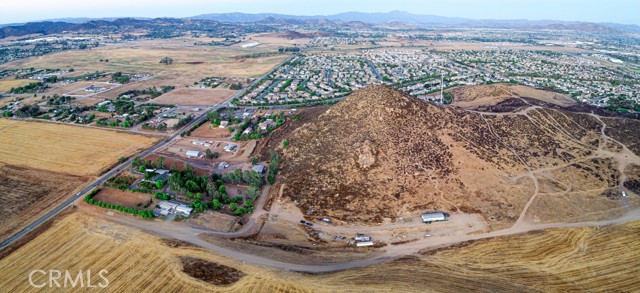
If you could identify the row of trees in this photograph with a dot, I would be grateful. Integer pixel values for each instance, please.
(183, 122)
(30, 88)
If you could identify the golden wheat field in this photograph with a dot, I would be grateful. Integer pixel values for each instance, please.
(64, 148)
(560, 260)
(7, 84)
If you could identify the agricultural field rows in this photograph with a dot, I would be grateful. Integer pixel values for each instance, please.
(25, 192)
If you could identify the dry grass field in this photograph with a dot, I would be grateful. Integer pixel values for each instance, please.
(63, 148)
(144, 57)
(194, 97)
(136, 262)
(559, 260)
(7, 84)
(25, 193)
(600, 259)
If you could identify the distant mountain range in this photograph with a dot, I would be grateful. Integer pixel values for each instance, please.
(377, 17)
(428, 20)
(353, 19)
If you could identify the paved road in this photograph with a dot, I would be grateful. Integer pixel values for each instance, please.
(122, 166)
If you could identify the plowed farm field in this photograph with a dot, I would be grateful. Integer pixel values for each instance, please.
(25, 193)
(67, 149)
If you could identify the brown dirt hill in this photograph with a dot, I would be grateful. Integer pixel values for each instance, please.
(380, 155)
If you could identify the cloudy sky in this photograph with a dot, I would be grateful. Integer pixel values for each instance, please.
(620, 11)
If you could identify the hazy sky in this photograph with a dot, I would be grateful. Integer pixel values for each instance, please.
(621, 11)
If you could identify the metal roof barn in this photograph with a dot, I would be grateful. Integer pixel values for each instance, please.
(433, 217)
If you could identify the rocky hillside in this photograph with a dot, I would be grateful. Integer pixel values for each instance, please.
(380, 154)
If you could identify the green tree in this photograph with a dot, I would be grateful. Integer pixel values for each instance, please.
(211, 188)
(238, 211)
(159, 184)
(253, 192)
(216, 204)
(160, 163)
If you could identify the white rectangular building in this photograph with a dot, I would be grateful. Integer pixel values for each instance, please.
(433, 217)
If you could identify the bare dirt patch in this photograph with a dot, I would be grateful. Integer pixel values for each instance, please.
(210, 272)
(215, 220)
(208, 131)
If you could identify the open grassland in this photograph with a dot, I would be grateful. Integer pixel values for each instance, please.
(136, 262)
(7, 84)
(194, 97)
(4, 123)
(602, 259)
(144, 57)
(26, 193)
(67, 149)
(559, 260)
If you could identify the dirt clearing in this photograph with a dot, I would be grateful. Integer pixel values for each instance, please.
(210, 272)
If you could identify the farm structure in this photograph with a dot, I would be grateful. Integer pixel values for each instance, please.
(170, 207)
(433, 217)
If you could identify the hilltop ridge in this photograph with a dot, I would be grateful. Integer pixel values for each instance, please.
(380, 155)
